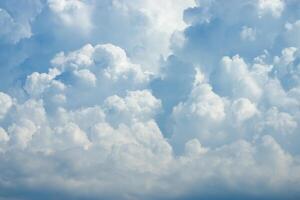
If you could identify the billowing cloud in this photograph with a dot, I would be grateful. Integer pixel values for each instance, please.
(178, 99)
(5, 104)
(72, 13)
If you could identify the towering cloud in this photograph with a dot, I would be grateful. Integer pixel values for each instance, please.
(178, 99)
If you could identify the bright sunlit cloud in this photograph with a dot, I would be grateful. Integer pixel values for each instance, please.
(149, 99)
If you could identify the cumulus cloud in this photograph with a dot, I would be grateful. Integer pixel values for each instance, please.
(248, 33)
(5, 104)
(275, 8)
(121, 99)
(243, 109)
(234, 75)
(72, 13)
(33, 31)
(203, 108)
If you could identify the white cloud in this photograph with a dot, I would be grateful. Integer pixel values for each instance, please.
(248, 33)
(86, 76)
(16, 21)
(137, 105)
(236, 80)
(287, 56)
(243, 109)
(198, 116)
(204, 103)
(161, 22)
(110, 60)
(194, 148)
(91, 72)
(292, 31)
(37, 83)
(12, 31)
(275, 95)
(3, 139)
(21, 134)
(153, 106)
(70, 135)
(5, 103)
(274, 7)
(73, 13)
(278, 122)
(142, 27)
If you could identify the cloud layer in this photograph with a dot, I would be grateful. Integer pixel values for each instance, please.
(177, 99)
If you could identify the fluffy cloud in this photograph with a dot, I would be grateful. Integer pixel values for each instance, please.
(142, 27)
(248, 33)
(72, 13)
(33, 31)
(120, 99)
(273, 7)
(5, 104)
(243, 109)
(91, 72)
(137, 105)
(234, 75)
(202, 111)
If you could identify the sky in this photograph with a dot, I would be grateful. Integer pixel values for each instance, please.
(149, 99)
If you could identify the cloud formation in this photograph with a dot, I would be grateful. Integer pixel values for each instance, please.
(121, 99)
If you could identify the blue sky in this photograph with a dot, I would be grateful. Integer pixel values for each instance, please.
(148, 99)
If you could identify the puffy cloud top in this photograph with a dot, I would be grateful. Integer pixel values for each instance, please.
(144, 99)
